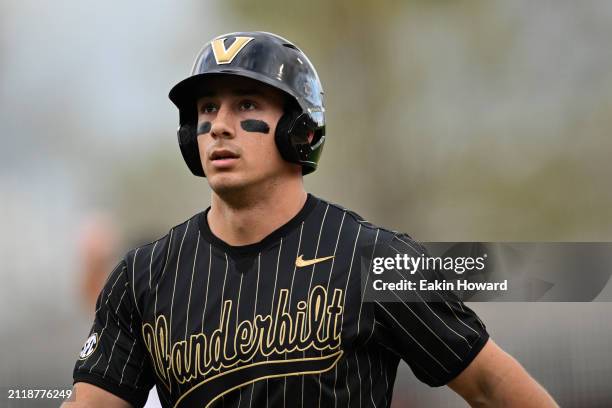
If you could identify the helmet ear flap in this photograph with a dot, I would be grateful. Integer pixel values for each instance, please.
(188, 142)
(291, 137)
(282, 137)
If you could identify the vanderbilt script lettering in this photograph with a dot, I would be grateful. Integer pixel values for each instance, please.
(314, 325)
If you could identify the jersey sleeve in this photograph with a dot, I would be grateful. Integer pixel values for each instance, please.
(434, 333)
(113, 356)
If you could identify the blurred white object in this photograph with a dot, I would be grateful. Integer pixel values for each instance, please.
(153, 400)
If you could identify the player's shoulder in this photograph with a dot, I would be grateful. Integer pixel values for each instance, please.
(156, 251)
(384, 236)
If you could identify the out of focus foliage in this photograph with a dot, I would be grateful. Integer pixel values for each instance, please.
(461, 120)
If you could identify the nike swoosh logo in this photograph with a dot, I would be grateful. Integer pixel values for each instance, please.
(300, 262)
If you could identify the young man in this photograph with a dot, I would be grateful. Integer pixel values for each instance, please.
(258, 301)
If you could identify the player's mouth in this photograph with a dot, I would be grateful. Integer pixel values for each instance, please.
(223, 158)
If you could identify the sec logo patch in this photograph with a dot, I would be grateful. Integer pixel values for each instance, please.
(89, 347)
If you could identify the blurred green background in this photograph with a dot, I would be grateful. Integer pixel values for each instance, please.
(449, 120)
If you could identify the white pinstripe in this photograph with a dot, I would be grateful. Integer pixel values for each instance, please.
(163, 271)
(207, 283)
(476, 316)
(410, 245)
(106, 282)
(139, 373)
(346, 382)
(254, 313)
(386, 380)
(111, 354)
(110, 358)
(367, 278)
(127, 361)
(344, 301)
(240, 396)
(257, 285)
(317, 248)
(389, 349)
(273, 297)
(372, 331)
(276, 274)
(431, 310)
(416, 252)
(111, 291)
(294, 266)
(291, 293)
(100, 339)
(236, 329)
(238, 303)
(178, 259)
(223, 288)
(195, 257)
(151, 263)
(121, 298)
(331, 271)
(309, 287)
(413, 339)
(480, 321)
(461, 321)
(335, 380)
(163, 395)
(359, 376)
(118, 333)
(395, 353)
(429, 328)
(134, 286)
(129, 355)
(96, 363)
(371, 385)
(131, 348)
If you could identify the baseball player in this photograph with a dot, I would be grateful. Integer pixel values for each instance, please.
(257, 301)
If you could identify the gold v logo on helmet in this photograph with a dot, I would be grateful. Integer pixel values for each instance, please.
(226, 55)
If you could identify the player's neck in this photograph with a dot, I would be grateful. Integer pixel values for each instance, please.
(259, 213)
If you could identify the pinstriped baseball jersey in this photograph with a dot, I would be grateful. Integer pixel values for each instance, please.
(277, 323)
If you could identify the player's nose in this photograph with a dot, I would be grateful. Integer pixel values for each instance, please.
(221, 125)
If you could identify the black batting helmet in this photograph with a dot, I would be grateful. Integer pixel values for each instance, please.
(274, 61)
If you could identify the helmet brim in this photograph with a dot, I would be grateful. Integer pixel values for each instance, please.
(187, 91)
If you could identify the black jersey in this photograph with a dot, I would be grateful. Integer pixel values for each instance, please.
(277, 323)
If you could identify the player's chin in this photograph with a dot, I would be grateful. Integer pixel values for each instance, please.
(226, 182)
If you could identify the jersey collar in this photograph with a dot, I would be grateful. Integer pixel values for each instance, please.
(253, 249)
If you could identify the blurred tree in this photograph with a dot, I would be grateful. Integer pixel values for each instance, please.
(442, 116)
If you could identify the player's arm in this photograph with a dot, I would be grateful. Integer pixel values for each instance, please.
(90, 396)
(113, 365)
(495, 379)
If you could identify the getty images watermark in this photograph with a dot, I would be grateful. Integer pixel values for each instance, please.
(404, 264)
(489, 271)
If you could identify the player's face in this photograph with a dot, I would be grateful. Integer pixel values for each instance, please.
(237, 119)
